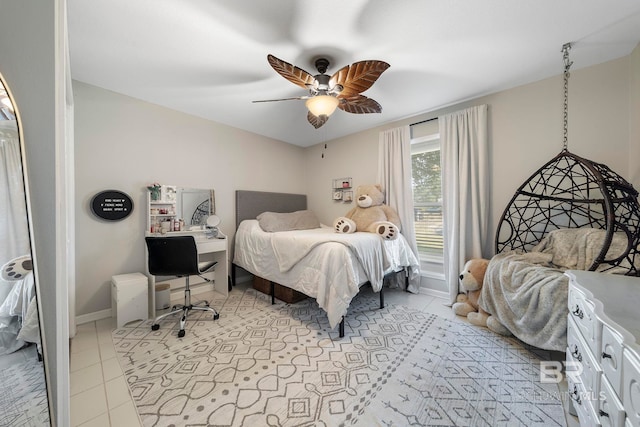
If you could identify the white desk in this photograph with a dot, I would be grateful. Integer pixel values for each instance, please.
(214, 249)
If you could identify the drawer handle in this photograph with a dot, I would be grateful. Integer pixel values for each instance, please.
(606, 355)
(576, 353)
(578, 312)
(575, 396)
(603, 414)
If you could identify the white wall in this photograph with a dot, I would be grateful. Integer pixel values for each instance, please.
(634, 118)
(354, 156)
(126, 144)
(28, 41)
(526, 126)
(525, 131)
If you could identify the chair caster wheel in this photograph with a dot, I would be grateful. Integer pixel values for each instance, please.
(180, 333)
(155, 327)
(216, 316)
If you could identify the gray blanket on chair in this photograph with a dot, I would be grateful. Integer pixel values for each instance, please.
(529, 297)
(527, 292)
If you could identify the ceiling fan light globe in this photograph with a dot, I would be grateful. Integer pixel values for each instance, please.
(322, 105)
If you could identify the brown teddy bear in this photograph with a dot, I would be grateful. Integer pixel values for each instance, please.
(370, 214)
(472, 279)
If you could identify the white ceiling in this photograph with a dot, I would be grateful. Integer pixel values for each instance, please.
(208, 58)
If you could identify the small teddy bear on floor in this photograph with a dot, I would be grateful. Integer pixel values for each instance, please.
(472, 280)
(370, 214)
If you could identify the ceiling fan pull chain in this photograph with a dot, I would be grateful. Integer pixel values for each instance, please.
(567, 65)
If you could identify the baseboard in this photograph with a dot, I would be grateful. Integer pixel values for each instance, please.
(92, 317)
(434, 293)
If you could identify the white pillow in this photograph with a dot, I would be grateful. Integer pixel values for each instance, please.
(299, 220)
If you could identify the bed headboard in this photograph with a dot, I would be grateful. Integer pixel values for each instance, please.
(250, 204)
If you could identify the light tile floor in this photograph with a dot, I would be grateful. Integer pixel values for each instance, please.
(99, 393)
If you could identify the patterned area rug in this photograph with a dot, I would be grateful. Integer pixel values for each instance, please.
(23, 395)
(263, 365)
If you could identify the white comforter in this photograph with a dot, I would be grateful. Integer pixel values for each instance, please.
(290, 247)
(17, 314)
(321, 263)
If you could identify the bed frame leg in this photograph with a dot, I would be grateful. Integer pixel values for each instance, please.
(381, 299)
(273, 292)
(406, 279)
(341, 327)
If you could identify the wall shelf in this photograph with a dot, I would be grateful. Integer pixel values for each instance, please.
(341, 190)
(342, 183)
(159, 211)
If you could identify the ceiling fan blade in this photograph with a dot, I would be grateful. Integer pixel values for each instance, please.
(316, 121)
(358, 77)
(297, 98)
(359, 104)
(290, 72)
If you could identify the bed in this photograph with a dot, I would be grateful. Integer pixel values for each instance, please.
(327, 266)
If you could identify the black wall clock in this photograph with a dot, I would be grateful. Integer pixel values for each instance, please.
(112, 205)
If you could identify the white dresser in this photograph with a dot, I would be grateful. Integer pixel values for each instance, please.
(603, 351)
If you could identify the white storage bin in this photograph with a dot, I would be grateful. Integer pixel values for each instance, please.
(129, 298)
(163, 296)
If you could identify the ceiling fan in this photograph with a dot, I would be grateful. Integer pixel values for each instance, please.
(341, 90)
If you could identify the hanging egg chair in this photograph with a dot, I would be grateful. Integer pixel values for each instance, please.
(573, 192)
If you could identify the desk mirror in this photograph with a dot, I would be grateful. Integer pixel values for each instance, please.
(194, 205)
(23, 389)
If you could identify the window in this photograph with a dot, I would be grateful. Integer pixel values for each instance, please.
(427, 195)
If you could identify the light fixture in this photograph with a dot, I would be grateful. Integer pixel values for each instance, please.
(322, 105)
(211, 229)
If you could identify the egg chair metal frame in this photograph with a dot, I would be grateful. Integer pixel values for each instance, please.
(570, 191)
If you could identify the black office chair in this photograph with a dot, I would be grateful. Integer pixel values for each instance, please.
(178, 256)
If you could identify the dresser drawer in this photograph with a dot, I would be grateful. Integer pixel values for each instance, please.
(582, 404)
(611, 413)
(581, 311)
(631, 386)
(611, 357)
(588, 372)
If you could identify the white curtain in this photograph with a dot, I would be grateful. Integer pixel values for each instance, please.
(465, 187)
(394, 174)
(14, 231)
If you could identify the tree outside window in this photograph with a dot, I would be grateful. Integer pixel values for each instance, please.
(427, 195)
